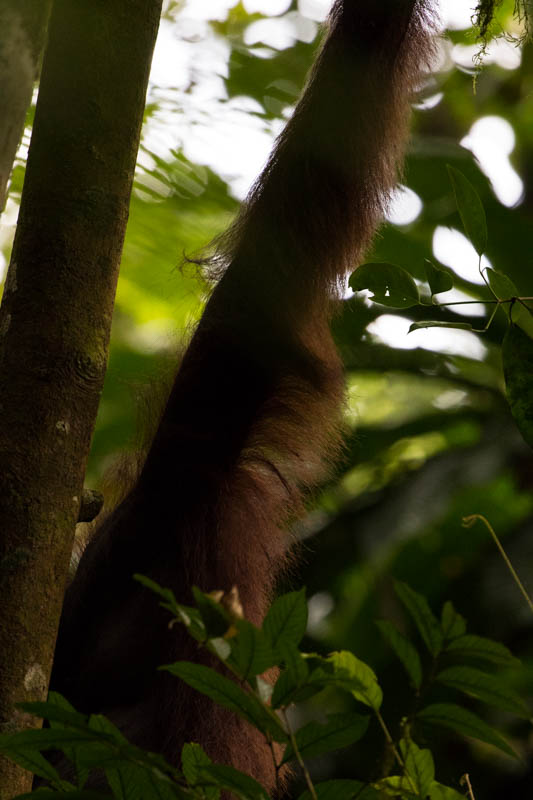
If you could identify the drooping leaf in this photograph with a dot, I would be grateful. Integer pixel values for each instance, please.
(501, 285)
(439, 279)
(286, 620)
(352, 674)
(390, 285)
(470, 210)
(449, 715)
(517, 354)
(404, 649)
(315, 739)
(483, 649)
(226, 693)
(487, 688)
(24, 752)
(429, 323)
(424, 619)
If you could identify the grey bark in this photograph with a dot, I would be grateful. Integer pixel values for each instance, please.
(22, 33)
(55, 320)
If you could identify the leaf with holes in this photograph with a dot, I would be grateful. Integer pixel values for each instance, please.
(390, 285)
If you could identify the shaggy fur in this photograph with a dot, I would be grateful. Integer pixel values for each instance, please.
(252, 422)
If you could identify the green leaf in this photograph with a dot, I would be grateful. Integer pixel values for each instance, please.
(423, 617)
(517, 354)
(523, 317)
(193, 758)
(286, 620)
(127, 781)
(419, 766)
(438, 791)
(188, 616)
(482, 648)
(232, 780)
(390, 285)
(226, 693)
(470, 210)
(315, 739)
(49, 794)
(57, 709)
(342, 789)
(216, 619)
(449, 715)
(439, 279)
(501, 285)
(462, 326)
(405, 651)
(353, 675)
(251, 653)
(292, 685)
(25, 752)
(452, 623)
(397, 786)
(487, 688)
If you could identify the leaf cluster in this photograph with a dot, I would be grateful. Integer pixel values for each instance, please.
(451, 658)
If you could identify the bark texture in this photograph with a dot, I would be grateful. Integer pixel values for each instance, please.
(55, 320)
(22, 33)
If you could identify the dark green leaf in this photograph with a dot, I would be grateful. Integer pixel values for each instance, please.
(517, 354)
(226, 693)
(214, 616)
(342, 790)
(419, 767)
(424, 619)
(234, 781)
(481, 648)
(24, 751)
(470, 210)
(416, 326)
(49, 794)
(315, 739)
(292, 684)
(390, 285)
(452, 623)
(460, 720)
(487, 688)
(193, 758)
(286, 620)
(439, 279)
(501, 285)
(251, 653)
(405, 651)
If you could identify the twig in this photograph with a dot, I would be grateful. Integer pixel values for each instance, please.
(471, 520)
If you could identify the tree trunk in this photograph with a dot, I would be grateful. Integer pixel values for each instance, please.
(55, 320)
(22, 33)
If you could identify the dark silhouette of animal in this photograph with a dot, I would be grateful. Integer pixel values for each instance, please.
(252, 422)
